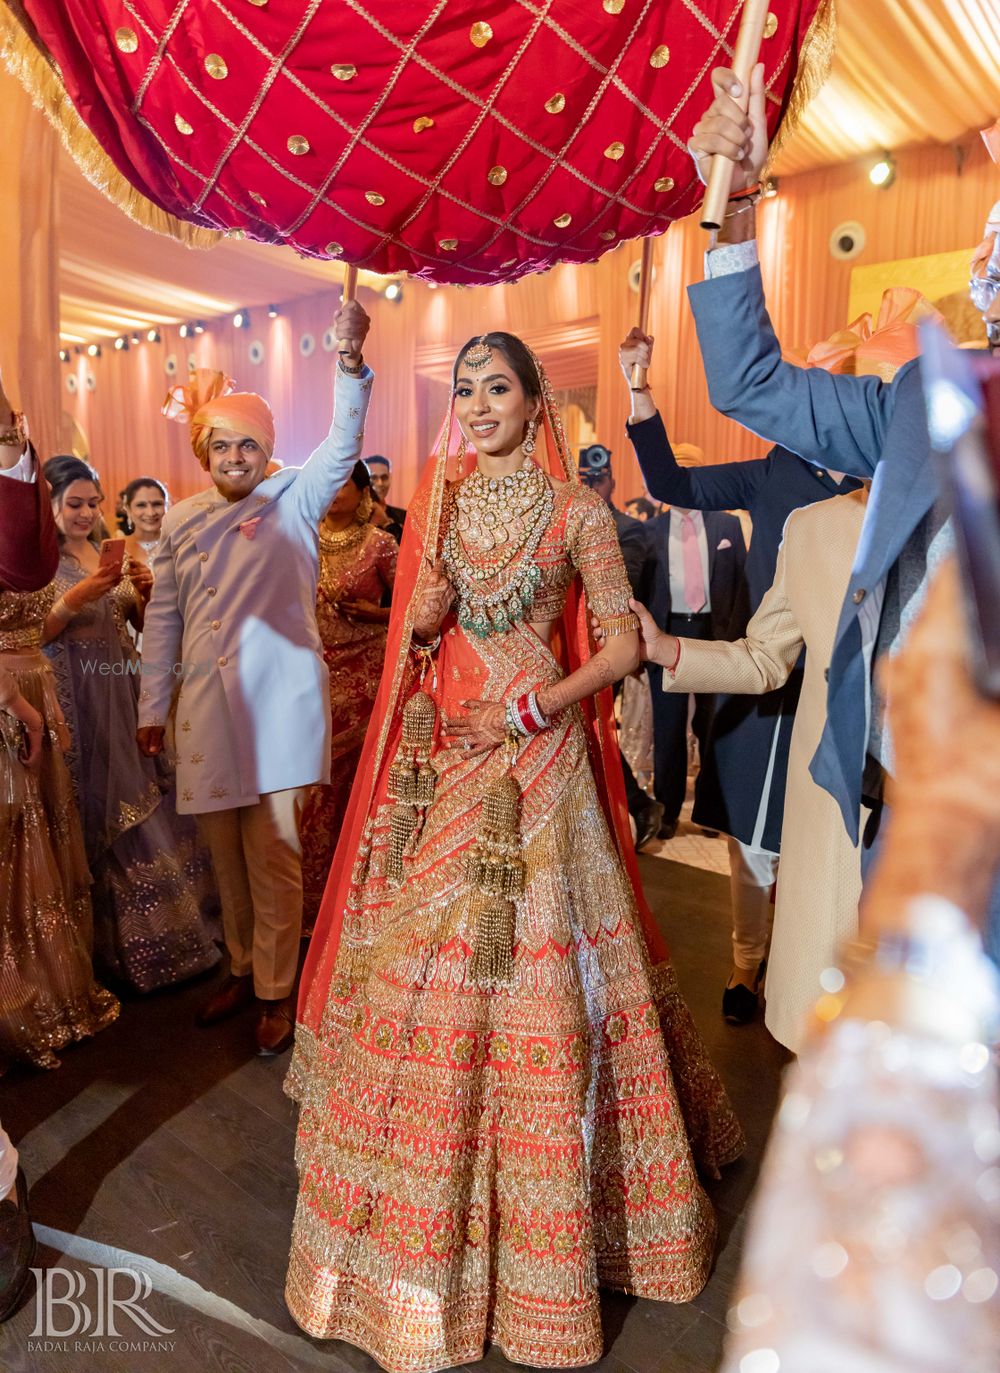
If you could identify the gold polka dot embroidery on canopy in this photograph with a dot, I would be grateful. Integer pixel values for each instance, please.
(126, 40)
(613, 6)
(556, 103)
(216, 67)
(374, 198)
(182, 126)
(663, 183)
(334, 250)
(422, 123)
(447, 245)
(298, 146)
(660, 56)
(770, 26)
(480, 34)
(496, 176)
(615, 151)
(563, 221)
(344, 71)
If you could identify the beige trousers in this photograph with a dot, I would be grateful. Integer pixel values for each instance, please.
(257, 857)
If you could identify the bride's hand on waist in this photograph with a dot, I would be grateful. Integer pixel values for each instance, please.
(434, 600)
(484, 728)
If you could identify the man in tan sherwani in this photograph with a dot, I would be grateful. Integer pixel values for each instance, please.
(232, 618)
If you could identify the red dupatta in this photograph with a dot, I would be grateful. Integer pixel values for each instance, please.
(571, 646)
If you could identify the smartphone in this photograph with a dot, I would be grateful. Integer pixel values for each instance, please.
(112, 553)
(962, 394)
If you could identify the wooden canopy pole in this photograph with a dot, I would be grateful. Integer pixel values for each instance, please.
(638, 378)
(350, 292)
(748, 41)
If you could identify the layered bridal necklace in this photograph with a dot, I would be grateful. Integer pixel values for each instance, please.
(494, 529)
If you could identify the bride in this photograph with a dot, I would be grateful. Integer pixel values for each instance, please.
(504, 1100)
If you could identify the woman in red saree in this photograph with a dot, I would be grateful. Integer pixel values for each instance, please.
(504, 1101)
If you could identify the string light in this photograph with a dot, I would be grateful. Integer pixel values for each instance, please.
(136, 340)
(93, 350)
(121, 343)
(64, 355)
(272, 312)
(199, 327)
(185, 329)
(394, 291)
(241, 320)
(153, 336)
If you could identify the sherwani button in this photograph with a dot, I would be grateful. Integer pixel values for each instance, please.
(203, 557)
(223, 662)
(820, 472)
(859, 595)
(210, 590)
(216, 624)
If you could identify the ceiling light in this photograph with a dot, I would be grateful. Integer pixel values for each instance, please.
(394, 291)
(136, 340)
(152, 336)
(770, 188)
(241, 320)
(93, 350)
(185, 329)
(64, 355)
(199, 327)
(272, 312)
(121, 343)
(883, 173)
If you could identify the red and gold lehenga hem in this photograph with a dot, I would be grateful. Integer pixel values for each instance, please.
(473, 1164)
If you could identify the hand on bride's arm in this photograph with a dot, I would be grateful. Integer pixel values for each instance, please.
(654, 645)
(435, 595)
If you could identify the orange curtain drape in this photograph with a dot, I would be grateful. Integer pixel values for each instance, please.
(29, 329)
(938, 203)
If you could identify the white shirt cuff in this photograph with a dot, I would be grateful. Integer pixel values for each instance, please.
(731, 257)
(23, 470)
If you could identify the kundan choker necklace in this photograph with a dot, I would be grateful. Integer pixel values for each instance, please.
(494, 529)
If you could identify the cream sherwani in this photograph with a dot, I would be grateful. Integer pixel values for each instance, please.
(233, 618)
(819, 879)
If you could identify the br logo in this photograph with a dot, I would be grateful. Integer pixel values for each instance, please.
(68, 1303)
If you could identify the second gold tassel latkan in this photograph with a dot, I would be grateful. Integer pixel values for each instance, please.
(495, 872)
(411, 779)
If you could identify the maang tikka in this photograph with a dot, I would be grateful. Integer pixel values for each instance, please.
(480, 355)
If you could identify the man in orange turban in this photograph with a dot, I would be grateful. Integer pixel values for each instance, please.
(233, 619)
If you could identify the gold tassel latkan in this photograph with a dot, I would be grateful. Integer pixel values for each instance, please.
(495, 872)
(411, 779)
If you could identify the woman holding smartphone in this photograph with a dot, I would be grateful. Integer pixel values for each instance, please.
(153, 891)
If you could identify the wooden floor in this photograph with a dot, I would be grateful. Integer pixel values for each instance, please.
(174, 1144)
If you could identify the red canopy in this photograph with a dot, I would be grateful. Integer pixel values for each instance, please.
(464, 142)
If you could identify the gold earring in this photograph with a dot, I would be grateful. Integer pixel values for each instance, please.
(528, 442)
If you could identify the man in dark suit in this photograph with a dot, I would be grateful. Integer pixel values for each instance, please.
(695, 591)
(594, 469)
(380, 471)
(867, 427)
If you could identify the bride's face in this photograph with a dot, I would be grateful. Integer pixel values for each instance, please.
(493, 408)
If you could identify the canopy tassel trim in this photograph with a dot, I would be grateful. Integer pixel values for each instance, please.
(815, 62)
(40, 78)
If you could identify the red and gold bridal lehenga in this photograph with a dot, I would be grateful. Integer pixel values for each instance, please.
(355, 564)
(475, 1160)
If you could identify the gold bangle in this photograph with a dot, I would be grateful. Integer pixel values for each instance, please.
(620, 624)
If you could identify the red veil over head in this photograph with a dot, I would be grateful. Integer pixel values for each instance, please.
(571, 646)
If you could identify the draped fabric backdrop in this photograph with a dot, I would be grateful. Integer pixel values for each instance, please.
(29, 252)
(576, 317)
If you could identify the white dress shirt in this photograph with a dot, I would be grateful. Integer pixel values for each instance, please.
(23, 470)
(675, 548)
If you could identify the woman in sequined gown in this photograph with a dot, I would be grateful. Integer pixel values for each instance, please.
(154, 897)
(496, 1118)
(48, 996)
(357, 567)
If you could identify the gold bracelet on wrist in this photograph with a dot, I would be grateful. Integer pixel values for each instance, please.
(16, 432)
(620, 624)
(351, 371)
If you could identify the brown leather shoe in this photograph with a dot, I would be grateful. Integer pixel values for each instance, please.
(17, 1248)
(234, 994)
(275, 1025)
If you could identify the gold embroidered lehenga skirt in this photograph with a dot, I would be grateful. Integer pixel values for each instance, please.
(474, 1163)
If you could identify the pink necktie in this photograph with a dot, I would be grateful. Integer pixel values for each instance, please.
(694, 578)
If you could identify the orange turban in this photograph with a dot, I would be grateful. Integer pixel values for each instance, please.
(688, 454)
(209, 402)
(863, 351)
